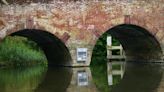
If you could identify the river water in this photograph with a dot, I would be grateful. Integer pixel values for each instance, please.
(117, 76)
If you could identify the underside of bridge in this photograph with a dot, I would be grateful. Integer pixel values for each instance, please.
(137, 42)
(54, 49)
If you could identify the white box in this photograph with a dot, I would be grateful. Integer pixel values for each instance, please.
(82, 54)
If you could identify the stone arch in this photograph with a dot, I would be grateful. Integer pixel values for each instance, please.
(139, 43)
(150, 26)
(54, 48)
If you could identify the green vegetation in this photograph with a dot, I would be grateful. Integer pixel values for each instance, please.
(116, 67)
(99, 64)
(21, 79)
(19, 51)
(116, 79)
(99, 75)
(99, 51)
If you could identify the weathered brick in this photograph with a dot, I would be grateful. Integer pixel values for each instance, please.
(84, 21)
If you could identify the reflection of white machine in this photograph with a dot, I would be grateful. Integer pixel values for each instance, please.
(81, 54)
(112, 72)
(82, 78)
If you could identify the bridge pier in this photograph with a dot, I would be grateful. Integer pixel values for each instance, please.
(81, 55)
(81, 81)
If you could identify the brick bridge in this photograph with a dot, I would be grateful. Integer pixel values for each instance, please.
(62, 26)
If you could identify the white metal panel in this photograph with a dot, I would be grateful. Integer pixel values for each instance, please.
(82, 54)
(109, 41)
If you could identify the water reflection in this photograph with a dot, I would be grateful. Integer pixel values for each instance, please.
(112, 77)
(82, 81)
(129, 77)
(57, 79)
(140, 77)
(21, 79)
(115, 72)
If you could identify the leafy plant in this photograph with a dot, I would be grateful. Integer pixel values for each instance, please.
(19, 51)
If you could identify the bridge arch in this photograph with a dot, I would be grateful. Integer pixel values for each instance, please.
(138, 43)
(54, 48)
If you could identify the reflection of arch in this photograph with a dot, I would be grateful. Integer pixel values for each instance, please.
(56, 80)
(54, 49)
(137, 42)
(140, 77)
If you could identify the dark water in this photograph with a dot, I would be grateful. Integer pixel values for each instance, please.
(116, 77)
(142, 77)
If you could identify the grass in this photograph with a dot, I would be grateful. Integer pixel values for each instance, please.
(19, 51)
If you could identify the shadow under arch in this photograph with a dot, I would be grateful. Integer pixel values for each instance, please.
(55, 50)
(137, 42)
(140, 77)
